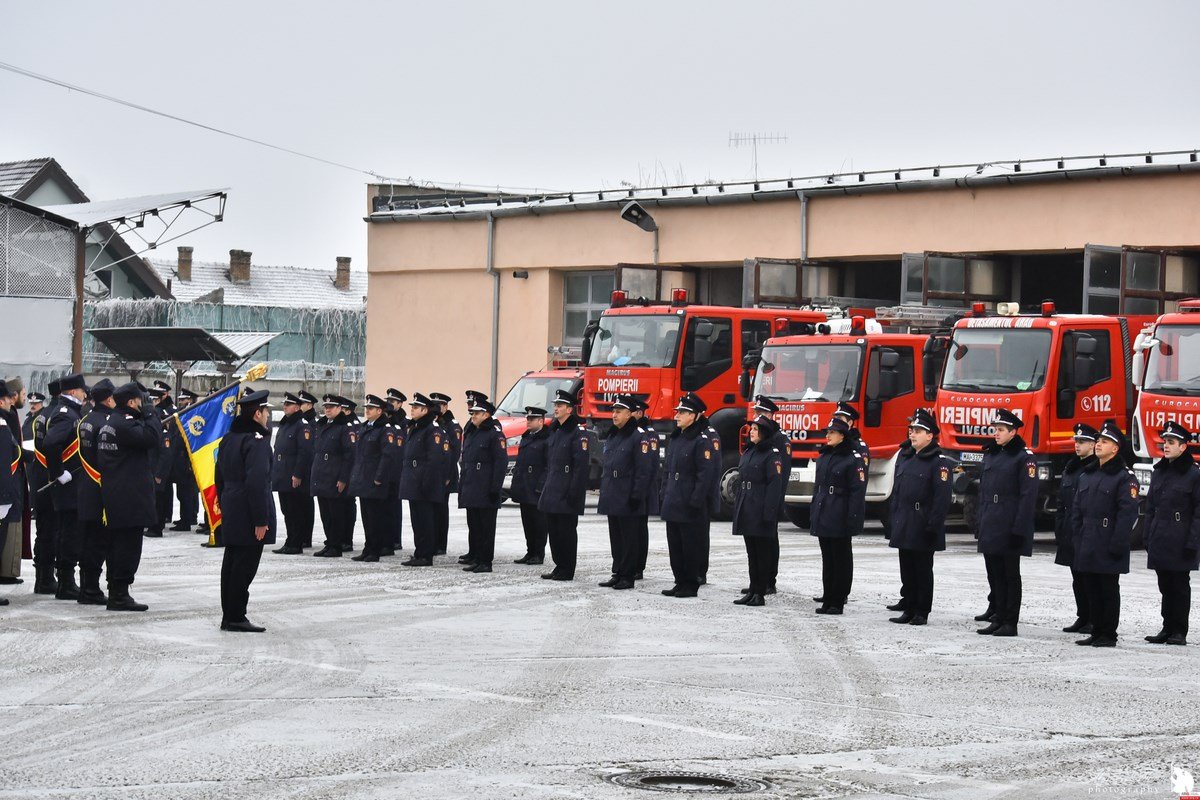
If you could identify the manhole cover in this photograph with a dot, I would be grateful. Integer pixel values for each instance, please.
(690, 782)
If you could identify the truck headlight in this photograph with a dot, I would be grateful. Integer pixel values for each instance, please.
(1044, 473)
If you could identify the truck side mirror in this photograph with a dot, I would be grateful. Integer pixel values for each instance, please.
(589, 337)
(750, 363)
(933, 358)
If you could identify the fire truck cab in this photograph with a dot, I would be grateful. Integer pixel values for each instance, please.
(1167, 361)
(663, 351)
(853, 361)
(1051, 370)
(534, 388)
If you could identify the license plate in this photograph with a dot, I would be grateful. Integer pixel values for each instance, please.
(970, 457)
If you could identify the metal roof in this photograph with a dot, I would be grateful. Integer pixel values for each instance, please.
(180, 344)
(859, 182)
(94, 213)
(272, 286)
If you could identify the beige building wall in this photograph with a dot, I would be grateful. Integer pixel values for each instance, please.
(430, 298)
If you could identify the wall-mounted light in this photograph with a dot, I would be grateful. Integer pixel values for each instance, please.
(1104, 161)
(633, 212)
(1060, 163)
(937, 172)
(521, 274)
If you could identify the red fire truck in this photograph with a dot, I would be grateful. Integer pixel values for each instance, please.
(1051, 370)
(1168, 364)
(885, 376)
(663, 351)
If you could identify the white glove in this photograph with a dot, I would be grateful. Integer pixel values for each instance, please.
(4, 510)
(65, 478)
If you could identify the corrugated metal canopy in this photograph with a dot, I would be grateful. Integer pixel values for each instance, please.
(89, 214)
(180, 344)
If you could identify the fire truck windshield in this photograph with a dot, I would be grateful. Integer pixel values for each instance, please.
(532, 391)
(1174, 366)
(997, 360)
(817, 373)
(625, 340)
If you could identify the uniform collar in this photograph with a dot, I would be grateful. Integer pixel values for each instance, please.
(1181, 465)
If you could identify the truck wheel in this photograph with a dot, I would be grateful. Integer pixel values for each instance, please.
(798, 515)
(971, 513)
(728, 486)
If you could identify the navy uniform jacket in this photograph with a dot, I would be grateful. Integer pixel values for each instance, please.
(650, 439)
(129, 445)
(691, 474)
(839, 502)
(12, 488)
(61, 449)
(920, 499)
(565, 489)
(762, 480)
(37, 466)
(374, 460)
(854, 436)
(454, 435)
(1008, 492)
(243, 480)
(294, 443)
(1172, 522)
(484, 462)
(1063, 538)
(90, 505)
(164, 466)
(425, 455)
(1103, 518)
(333, 458)
(626, 473)
(529, 473)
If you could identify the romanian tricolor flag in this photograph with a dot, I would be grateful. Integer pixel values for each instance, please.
(203, 426)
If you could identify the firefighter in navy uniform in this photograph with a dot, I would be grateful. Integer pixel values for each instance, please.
(61, 448)
(761, 486)
(243, 481)
(1103, 519)
(186, 491)
(399, 420)
(484, 463)
(689, 495)
(128, 449)
(333, 461)
(529, 475)
(625, 481)
(850, 414)
(921, 497)
(650, 438)
(1085, 446)
(1007, 504)
(839, 507)
(564, 492)
(423, 480)
(45, 542)
(454, 433)
(165, 464)
(290, 474)
(94, 535)
(350, 504)
(12, 488)
(374, 464)
(1173, 531)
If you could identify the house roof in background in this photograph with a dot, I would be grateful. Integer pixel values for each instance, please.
(19, 179)
(280, 287)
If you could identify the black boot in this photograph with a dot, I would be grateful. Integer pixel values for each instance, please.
(1075, 627)
(43, 582)
(119, 599)
(67, 590)
(986, 616)
(903, 619)
(1159, 637)
(1177, 639)
(753, 600)
(90, 593)
(1007, 629)
(898, 606)
(990, 629)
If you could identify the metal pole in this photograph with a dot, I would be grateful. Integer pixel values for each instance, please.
(77, 333)
(491, 270)
(655, 262)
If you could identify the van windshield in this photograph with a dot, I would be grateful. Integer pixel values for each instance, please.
(819, 373)
(1174, 366)
(997, 360)
(629, 340)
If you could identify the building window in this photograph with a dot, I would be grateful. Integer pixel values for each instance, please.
(1126, 281)
(953, 280)
(585, 296)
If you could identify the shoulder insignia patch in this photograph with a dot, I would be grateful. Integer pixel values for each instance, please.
(166, 442)
(779, 467)
(1032, 471)
(391, 439)
(3, 424)
(645, 447)
(308, 434)
(1133, 491)
(258, 436)
(716, 444)
(437, 439)
(866, 459)
(353, 437)
(446, 447)
(862, 476)
(583, 443)
(707, 454)
(944, 474)
(654, 444)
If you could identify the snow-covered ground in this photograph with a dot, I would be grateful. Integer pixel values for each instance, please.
(379, 681)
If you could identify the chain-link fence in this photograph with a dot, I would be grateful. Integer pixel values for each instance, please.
(37, 257)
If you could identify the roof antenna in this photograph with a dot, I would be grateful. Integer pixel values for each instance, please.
(753, 139)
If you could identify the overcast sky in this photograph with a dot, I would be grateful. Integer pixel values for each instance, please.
(570, 95)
